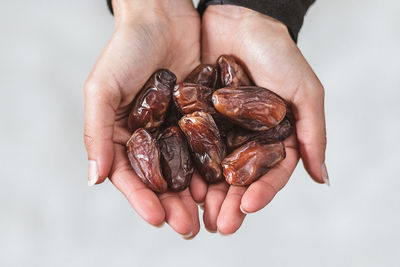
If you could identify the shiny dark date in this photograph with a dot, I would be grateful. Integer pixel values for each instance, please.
(249, 162)
(205, 75)
(253, 108)
(144, 156)
(232, 73)
(176, 163)
(238, 136)
(191, 97)
(206, 144)
(151, 104)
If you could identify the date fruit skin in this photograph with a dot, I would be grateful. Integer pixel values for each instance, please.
(205, 143)
(238, 136)
(144, 156)
(251, 107)
(204, 74)
(249, 162)
(232, 73)
(176, 163)
(191, 97)
(152, 102)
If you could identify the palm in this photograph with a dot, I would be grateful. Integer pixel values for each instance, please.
(273, 64)
(133, 54)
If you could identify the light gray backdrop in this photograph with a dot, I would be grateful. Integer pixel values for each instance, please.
(48, 216)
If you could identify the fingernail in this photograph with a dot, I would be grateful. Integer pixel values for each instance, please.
(324, 173)
(201, 205)
(223, 234)
(187, 236)
(213, 232)
(160, 225)
(242, 210)
(93, 173)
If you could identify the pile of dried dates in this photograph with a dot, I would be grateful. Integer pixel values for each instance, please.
(216, 121)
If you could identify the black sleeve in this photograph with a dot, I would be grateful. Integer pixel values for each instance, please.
(290, 12)
(110, 6)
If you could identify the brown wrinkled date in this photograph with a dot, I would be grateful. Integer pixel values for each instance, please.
(205, 143)
(238, 136)
(176, 164)
(152, 102)
(253, 108)
(205, 75)
(221, 110)
(191, 97)
(232, 73)
(252, 160)
(144, 155)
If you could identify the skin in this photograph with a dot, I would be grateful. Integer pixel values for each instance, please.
(275, 62)
(147, 36)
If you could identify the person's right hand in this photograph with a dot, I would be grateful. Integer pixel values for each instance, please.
(149, 35)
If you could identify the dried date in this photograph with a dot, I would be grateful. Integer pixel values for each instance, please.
(250, 161)
(176, 163)
(206, 144)
(238, 136)
(253, 108)
(204, 74)
(191, 97)
(144, 156)
(152, 102)
(232, 73)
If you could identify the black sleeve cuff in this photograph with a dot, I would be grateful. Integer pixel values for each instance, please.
(109, 4)
(289, 12)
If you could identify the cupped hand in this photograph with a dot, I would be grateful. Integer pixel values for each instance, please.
(274, 62)
(148, 35)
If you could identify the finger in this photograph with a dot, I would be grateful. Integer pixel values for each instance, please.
(143, 200)
(215, 197)
(112, 85)
(262, 191)
(193, 210)
(176, 214)
(100, 106)
(231, 217)
(198, 188)
(311, 132)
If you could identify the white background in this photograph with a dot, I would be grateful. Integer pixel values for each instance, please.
(48, 216)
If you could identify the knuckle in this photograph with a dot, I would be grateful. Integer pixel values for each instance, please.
(89, 140)
(91, 87)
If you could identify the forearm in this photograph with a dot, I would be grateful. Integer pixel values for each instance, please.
(290, 12)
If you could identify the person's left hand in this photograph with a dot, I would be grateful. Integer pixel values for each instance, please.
(274, 62)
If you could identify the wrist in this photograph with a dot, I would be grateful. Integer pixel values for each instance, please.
(126, 10)
(244, 17)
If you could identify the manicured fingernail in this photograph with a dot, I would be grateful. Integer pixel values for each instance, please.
(242, 210)
(324, 173)
(188, 236)
(93, 173)
(160, 225)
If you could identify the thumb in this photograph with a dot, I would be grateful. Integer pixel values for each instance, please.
(310, 127)
(100, 106)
